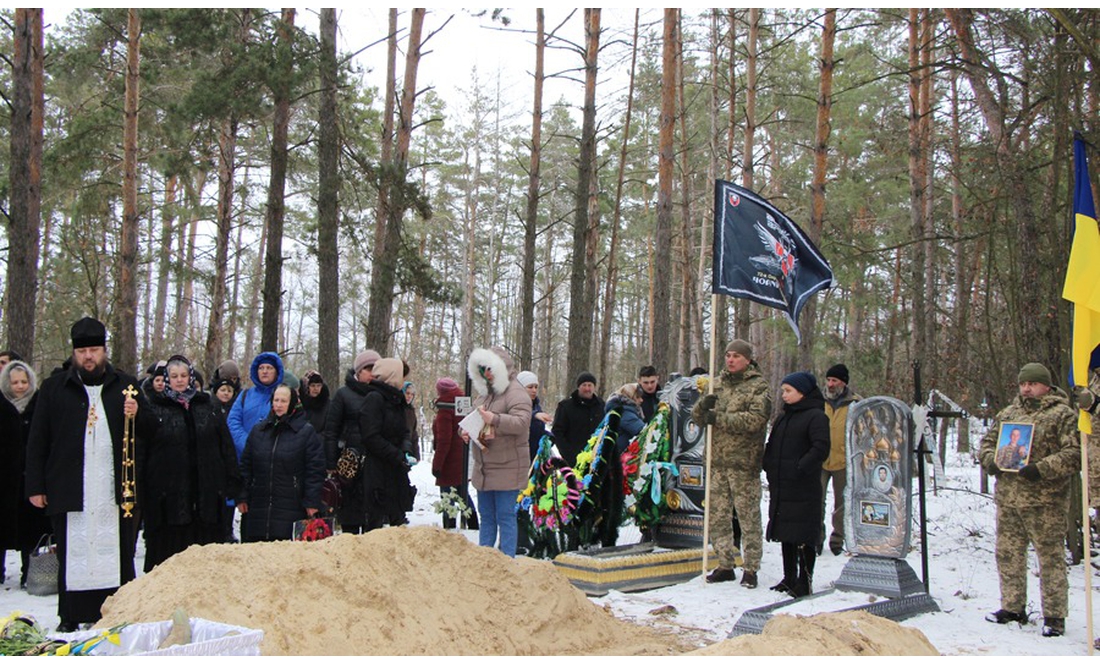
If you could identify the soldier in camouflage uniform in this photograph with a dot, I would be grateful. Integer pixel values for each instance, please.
(1087, 400)
(739, 411)
(1032, 503)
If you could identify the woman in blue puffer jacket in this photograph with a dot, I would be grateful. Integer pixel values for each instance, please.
(253, 404)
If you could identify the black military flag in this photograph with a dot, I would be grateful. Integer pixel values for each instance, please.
(760, 254)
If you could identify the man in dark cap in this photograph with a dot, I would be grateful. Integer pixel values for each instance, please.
(838, 397)
(76, 470)
(576, 418)
(1031, 502)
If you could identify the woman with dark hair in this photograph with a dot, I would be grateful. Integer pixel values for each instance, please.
(315, 396)
(384, 433)
(282, 467)
(25, 524)
(798, 445)
(190, 468)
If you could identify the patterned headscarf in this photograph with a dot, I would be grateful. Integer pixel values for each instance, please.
(182, 397)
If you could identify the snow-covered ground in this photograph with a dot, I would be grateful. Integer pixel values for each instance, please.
(963, 576)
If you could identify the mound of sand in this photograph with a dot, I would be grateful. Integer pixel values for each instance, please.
(842, 634)
(395, 591)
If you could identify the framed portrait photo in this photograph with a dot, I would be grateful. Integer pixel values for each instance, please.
(1014, 446)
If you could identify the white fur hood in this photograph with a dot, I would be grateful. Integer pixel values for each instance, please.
(496, 360)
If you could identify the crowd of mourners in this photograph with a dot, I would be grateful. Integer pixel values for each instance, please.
(276, 451)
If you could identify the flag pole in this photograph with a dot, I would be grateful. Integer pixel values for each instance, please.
(1088, 538)
(710, 434)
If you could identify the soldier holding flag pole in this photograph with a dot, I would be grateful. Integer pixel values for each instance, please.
(759, 254)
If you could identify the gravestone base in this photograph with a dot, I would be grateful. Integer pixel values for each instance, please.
(882, 576)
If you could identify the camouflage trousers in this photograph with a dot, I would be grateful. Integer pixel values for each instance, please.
(839, 479)
(740, 490)
(1044, 526)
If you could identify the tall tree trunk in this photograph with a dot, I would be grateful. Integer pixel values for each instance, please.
(227, 148)
(227, 169)
(665, 157)
(748, 171)
(609, 308)
(166, 258)
(722, 305)
(687, 282)
(530, 227)
(580, 306)
(386, 176)
(328, 210)
(185, 288)
(276, 189)
(124, 350)
(473, 195)
(254, 300)
(916, 190)
(25, 181)
(385, 259)
(808, 321)
(931, 267)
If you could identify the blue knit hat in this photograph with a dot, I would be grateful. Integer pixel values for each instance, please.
(803, 382)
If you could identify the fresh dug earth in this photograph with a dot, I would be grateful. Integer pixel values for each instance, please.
(424, 591)
(842, 634)
(394, 591)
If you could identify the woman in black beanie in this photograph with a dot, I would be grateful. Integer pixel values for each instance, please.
(798, 444)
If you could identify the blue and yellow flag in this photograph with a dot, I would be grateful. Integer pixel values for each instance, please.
(1082, 286)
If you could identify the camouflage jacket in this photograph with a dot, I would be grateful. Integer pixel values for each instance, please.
(744, 405)
(1055, 450)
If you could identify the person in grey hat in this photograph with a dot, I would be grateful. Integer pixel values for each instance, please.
(738, 410)
(1031, 502)
(341, 432)
(74, 470)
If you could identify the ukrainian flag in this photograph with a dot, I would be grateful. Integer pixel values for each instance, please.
(1082, 286)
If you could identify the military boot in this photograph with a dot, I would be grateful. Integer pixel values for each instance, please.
(1054, 627)
(1005, 616)
(722, 575)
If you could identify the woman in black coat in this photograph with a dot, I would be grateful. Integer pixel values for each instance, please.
(283, 467)
(24, 524)
(342, 431)
(190, 468)
(384, 433)
(797, 446)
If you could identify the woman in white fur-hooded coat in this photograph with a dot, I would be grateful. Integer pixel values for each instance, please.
(501, 468)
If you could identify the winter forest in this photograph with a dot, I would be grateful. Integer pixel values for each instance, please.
(221, 182)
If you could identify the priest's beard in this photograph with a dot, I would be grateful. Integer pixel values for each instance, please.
(93, 377)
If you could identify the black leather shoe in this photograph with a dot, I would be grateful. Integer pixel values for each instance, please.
(836, 548)
(782, 587)
(68, 627)
(722, 575)
(1005, 616)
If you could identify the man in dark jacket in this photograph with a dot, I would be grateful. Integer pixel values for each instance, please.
(75, 471)
(650, 385)
(576, 418)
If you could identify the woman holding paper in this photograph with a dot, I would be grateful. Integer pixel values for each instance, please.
(501, 461)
